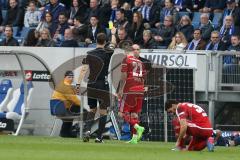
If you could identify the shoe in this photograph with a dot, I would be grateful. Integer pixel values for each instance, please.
(134, 140)
(86, 136)
(210, 144)
(97, 140)
(140, 131)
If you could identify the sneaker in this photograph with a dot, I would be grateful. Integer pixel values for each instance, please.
(86, 136)
(97, 140)
(140, 131)
(134, 140)
(210, 144)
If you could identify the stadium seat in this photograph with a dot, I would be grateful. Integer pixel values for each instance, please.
(183, 14)
(92, 45)
(25, 31)
(5, 92)
(15, 31)
(4, 13)
(196, 19)
(16, 105)
(216, 18)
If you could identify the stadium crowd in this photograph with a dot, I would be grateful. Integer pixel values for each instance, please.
(153, 24)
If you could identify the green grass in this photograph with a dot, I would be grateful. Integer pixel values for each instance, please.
(44, 148)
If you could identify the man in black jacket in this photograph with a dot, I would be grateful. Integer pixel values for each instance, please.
(9, 40)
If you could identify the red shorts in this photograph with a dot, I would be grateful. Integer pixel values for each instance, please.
(199, 137)
(131, 102)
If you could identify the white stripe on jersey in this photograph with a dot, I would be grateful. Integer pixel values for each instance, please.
(193, 125)
(180, 113)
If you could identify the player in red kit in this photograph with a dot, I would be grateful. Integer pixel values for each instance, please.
(193, 122)
(131, 91)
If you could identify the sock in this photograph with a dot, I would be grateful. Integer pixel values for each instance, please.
(89, 121)
(130, 120)
(101, 125)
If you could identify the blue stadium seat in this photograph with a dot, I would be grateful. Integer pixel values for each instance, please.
(5, 92)
(25, 31)
(16, 31)
(183, 14)
(216, 18)
(16, 105)
(108, 32)
(4, 13)
(92, 45)
(196, 19)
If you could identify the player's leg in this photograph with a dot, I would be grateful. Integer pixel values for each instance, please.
(66, 129)
(92, 102)
(127, 105)
(199, 138)
(103, 97)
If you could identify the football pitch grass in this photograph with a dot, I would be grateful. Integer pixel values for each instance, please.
(56, 148)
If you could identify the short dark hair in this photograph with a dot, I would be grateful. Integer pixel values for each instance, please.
(169, 103)
(101, 38)
(68, 73)
(198, 29)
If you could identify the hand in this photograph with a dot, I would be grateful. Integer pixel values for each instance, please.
(77, 88)
(113, 31)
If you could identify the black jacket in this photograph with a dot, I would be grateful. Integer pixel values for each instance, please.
(11, 42)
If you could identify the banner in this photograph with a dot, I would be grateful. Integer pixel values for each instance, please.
(172, 60)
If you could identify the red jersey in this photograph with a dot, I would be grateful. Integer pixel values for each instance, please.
(135, 74)
(194, 114)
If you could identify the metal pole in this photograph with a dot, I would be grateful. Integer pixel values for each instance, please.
(165, 99)
(25, 110)
(211, 108)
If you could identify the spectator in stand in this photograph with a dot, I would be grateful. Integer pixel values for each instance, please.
(14, 15)
(164, 33)
(136, 29)
(31, 39)
(231, 10)
(45, 39)
(93, 29)
(227, 30)
(32, 16)
(94, 9)
(183, 5)
(80, 30)
(179, 42)
(69, 40)
(59, 28)
(9, 40)
(148, 42)
(169, 9)
(138, 4)
(197, 43)
(215, 43)
(235, 43)
(120, 37)
(78, 9)
(121, 20)
(150, 12)
(127, 12)
(205, 26)
(197, 5)
(46, 23)
(213, 6)
(55, 8)
(185, 26)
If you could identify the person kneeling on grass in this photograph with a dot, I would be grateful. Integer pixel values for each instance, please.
(193, 122)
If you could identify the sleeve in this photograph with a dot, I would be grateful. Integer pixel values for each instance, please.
(124, 65)
(181, 112)
(85, 60)
(73, 98)
(26, 19)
